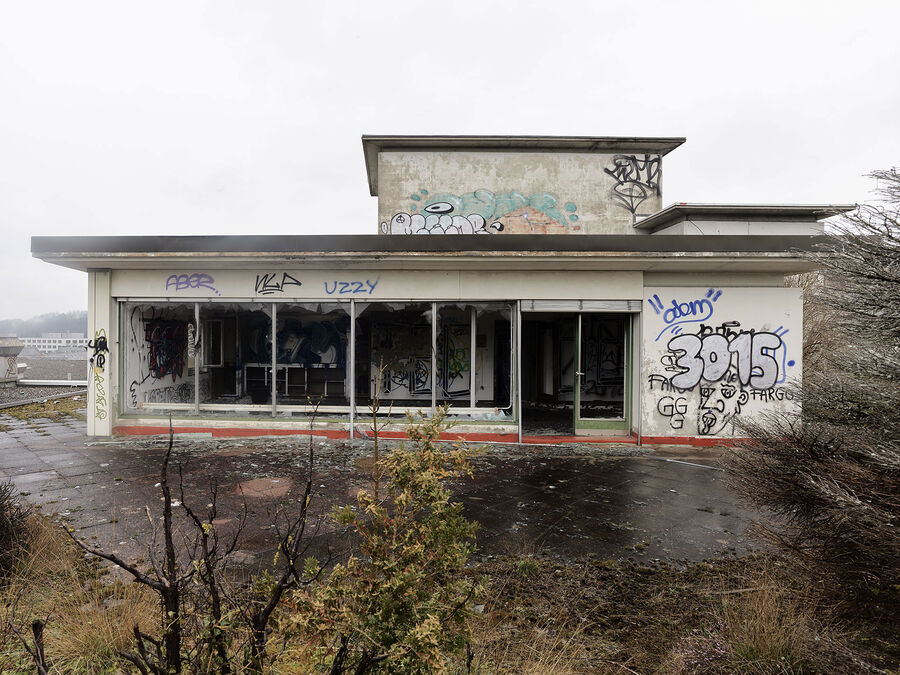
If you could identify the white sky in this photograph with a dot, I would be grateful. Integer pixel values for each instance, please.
(121, 118)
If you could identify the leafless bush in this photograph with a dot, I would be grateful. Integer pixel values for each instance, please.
(831, 473)
(13, 528)
(207, 623)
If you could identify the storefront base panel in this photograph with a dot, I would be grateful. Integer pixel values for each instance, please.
(696, 441)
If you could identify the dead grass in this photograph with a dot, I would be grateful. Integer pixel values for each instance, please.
(750, 615)
(610, 617)
(87, 621)
(551, 648)
(56, 410)
(763, 623)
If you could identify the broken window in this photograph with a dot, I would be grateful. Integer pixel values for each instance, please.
(159, 357)
(311, 356)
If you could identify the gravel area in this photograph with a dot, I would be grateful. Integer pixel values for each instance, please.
(49, 368)
(23, 395)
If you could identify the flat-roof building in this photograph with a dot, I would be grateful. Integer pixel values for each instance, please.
(554, 296)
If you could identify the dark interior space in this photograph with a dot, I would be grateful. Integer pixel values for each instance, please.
(548, 373)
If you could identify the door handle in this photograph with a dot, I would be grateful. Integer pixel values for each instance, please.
(579, 374)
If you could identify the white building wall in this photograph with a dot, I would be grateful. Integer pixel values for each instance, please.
(713, 357)
(101, 374)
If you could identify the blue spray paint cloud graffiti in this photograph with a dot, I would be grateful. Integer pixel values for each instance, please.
(694, 311)
(478, 212)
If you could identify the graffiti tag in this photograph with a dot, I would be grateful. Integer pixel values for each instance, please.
(692, 311)
(99, 346)
(269, 284)
(351, 287)
(636, 180)
(709, 358)
(182, 282)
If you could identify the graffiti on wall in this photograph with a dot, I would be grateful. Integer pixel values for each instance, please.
(12, 367)
(311, 342)
(694, 310)
(637, 179)
(337, 287)
(101, 349)
(98, 360)
(156, 355)
(405, 352)
(270, 283)
(484, 212)
(453, 360)
(603, 363)
(166, 348)
(709, 373)
(183, 282)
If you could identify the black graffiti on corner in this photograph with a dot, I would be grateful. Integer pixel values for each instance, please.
(101, 349)
(636, 179)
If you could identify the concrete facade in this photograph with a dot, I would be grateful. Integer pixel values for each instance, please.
(616, 333)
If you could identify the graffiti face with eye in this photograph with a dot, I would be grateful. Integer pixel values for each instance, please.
(439, 208)
(719, 405)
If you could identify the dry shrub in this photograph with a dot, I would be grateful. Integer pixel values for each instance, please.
(829, 475)
(763, 627)
(88, 621)
(771, 624)
(13, 528)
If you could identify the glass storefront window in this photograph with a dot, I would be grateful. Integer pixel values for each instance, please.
(159, 358)
(311, 357)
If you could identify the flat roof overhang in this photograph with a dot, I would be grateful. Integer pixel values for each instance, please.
(744, 253)
(794, 213)
(372, 145)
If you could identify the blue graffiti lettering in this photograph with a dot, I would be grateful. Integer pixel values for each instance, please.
(692, 311)
(366, 287)
(182, 282)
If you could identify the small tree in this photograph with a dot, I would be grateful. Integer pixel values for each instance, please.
(403, 601)
(831, 473)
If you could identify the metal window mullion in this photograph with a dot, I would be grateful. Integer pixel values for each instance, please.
(434, 379)
(636, 378)
(518, 363)
(198, 358)
(351, 370)
(273, 327)
(472, 348)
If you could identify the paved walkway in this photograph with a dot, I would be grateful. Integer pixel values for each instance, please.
(566, 501)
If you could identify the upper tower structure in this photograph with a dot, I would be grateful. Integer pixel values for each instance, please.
(515, 184)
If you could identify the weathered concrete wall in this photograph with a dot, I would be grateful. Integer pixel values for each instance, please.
(714, 356)
(278, 283)
(453, 192)
(10, 348)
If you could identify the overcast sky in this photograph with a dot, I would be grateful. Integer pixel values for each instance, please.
(245, 118)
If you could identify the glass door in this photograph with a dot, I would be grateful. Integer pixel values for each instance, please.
(602, 373)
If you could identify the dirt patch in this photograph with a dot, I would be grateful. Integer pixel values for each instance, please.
(265, 488)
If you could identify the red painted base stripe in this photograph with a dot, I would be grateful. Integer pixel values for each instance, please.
(474, 437)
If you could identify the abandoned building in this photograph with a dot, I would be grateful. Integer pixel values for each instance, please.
(553, 297)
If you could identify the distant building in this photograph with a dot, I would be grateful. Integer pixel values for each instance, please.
(53, 342)
(553, 297)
